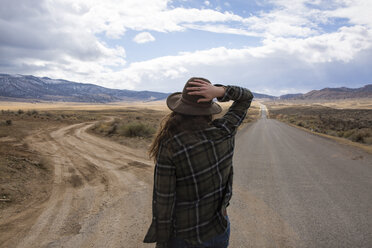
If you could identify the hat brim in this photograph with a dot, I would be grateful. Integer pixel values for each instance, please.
(175, 104)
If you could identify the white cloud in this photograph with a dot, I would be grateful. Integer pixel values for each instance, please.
(60, 39)
(143, 37)
(39, 37)
(114, 18)
(273, 61)
(337, 46)
(207, 3)
(290, 19)
(357, 11)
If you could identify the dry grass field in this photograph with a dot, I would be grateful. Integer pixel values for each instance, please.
(136, 126)
(363, 103)
(4, 105)
(351, 119)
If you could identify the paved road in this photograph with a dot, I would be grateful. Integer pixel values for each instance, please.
(296, 189)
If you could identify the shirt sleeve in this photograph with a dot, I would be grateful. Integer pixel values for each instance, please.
(236, 113)
(164, 196)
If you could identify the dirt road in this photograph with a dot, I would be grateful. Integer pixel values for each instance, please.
(100, 197)
(291, 189)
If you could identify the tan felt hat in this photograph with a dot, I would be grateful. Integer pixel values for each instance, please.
(183, 103)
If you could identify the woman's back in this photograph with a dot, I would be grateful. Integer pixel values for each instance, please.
(193, 176)
(203, 164)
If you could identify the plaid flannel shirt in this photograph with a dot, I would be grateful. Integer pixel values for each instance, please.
(193, 184)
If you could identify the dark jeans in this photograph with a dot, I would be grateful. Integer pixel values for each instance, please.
(220, 241)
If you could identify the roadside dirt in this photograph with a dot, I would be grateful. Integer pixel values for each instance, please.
(100, 196)
(25, 180)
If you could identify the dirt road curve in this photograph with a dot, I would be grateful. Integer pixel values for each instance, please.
(291, 189)
(101, 193)
(296, 189)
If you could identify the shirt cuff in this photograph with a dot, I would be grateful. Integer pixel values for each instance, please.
(225, 97)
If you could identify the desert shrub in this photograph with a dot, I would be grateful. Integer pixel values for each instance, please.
(357, 137)
(32, 112)
(20, 111)
(331, 132)
(106, 128)
(101, 127)
(292, 120)
(136, 129)
(340, 134)
(348, 133)
(361, 135)
(8, 122)
(7, 112)
(112, 129)
(300, 124)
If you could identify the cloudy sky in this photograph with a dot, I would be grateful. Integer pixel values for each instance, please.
(268, 46)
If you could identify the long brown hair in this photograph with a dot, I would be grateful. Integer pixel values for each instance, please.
(175, 123)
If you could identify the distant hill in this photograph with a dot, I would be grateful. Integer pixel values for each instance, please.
(290, 96)
(324, 94)
(263, 96)
(340, 93)
(36, 88)
(332, 94)
(20, 87)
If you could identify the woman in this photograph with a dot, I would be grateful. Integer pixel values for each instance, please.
(193, 171)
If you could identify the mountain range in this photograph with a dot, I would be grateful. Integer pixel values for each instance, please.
(47, 89)
(333, 93)
(31, 88)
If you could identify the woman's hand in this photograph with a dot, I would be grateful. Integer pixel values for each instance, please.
(205, 89)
